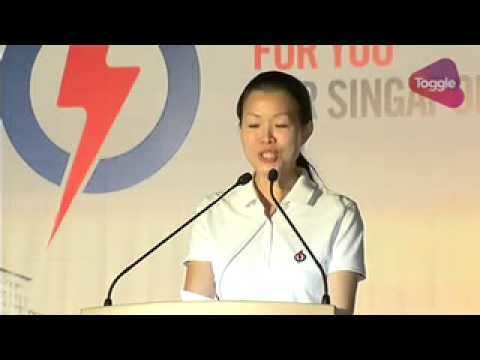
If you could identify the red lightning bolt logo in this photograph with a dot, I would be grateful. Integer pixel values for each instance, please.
(89, 83)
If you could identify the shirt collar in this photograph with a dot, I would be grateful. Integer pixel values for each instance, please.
(302, 192)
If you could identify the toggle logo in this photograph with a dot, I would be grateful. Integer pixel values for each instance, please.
(440, 82)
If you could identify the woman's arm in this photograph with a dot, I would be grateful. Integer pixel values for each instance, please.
(342, 286)
(199, 279)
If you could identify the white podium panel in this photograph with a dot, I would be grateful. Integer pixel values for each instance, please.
(213, 308)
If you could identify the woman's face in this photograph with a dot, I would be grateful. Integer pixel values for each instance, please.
(271, 132)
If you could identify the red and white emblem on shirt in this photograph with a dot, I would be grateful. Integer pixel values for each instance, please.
(300, 257)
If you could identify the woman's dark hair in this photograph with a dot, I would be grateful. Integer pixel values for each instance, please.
(279, 81)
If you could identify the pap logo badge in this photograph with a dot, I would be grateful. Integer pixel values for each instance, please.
(300, 257)
(43, 89)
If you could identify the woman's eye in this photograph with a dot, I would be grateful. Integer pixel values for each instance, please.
(253, 126)
(282, 125)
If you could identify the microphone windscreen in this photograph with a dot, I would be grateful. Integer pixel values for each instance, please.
(244, 179)
(273, 175)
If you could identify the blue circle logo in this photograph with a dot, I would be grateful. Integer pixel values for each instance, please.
(118, 172)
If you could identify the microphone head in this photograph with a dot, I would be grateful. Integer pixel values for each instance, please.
(244, 179)
(273, 175)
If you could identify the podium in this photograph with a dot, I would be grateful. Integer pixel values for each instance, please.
(213, 308)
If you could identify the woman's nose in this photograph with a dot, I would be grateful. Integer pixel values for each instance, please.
(267, 135)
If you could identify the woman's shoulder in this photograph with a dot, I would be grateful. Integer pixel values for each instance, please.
(338, 200)
(234, 197)
(208, 199)
(341, 199)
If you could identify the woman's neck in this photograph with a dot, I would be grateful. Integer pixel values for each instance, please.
(280, 189)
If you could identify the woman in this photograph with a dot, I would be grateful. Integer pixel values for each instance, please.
(243, 248)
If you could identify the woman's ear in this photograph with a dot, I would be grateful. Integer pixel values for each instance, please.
(307, 132)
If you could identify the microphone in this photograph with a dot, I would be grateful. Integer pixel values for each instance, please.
(242, 180)
(272, 177)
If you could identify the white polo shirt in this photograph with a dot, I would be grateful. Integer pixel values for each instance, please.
(255, 258)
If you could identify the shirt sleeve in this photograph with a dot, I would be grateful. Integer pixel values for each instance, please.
(200, 246)
(348, 248)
